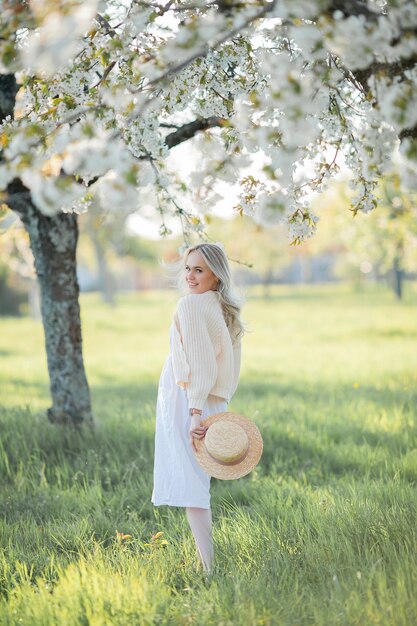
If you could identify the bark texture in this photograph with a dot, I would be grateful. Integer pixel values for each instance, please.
(54, 241)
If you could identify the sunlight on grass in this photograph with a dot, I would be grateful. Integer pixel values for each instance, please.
(322, 532)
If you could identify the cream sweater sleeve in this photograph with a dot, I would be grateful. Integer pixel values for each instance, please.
(194, 329)
(180, 364)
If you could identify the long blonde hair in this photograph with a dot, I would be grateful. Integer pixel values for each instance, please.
(216, 259)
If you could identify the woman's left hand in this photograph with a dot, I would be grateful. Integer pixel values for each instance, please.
(196, 430)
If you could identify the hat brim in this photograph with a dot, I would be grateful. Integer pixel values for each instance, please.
(229, 472)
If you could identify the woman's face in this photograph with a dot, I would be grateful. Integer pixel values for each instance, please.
(198, 275)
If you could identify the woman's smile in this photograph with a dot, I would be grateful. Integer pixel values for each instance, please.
(198, 275)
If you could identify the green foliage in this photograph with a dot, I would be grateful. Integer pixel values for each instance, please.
(377, 243)
(142, 250)
(322, 532)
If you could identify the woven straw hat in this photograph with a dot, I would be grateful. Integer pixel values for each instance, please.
(231, 448)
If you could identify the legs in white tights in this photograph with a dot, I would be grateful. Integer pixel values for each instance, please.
(200, 522)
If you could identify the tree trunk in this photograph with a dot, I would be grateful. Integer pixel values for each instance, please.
(266, 282)
(54, 241)
(105, 279)
(398, 275)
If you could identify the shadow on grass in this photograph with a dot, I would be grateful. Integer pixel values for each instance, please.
(340, 431)
(4, 353)
(306, 430)
(123, 437)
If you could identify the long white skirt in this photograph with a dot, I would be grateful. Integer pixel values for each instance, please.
(178, 478)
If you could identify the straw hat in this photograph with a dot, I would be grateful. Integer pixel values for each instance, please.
(231, 448)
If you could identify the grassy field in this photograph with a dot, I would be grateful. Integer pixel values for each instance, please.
(322, 532)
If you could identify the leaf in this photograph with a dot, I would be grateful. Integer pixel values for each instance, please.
(104, 57)
(154, 537)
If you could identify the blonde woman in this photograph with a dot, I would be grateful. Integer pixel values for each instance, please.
(199, 378)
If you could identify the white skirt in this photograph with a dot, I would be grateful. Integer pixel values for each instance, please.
(178, 478)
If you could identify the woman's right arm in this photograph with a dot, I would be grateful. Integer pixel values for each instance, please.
(198, 348)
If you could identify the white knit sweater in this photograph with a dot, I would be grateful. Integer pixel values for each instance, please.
(204, 359)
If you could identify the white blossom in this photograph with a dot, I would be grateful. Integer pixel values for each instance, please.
(272, 209)
(293, 90)
(56, 41)
(95, 156)
(407, 163)
(48, 192)
(397, 99)
(6, 175)
(297, 8)
(113, 194)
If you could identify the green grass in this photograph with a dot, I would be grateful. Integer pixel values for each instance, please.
(322, 532)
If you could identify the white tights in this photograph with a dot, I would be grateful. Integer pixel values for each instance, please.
(200, 522)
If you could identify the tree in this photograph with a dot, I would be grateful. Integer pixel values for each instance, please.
(103, 97)
(108, 243)
(395, 232)
(15, 253)
(383, 244)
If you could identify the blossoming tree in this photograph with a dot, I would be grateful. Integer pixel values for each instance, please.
(95, 94)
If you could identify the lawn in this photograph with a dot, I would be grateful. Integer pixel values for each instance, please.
(323, 532)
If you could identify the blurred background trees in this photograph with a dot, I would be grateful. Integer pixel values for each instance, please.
(18, 286)
(379, 246)
(113, 256)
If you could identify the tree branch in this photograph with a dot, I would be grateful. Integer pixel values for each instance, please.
(352, 7)
(106, 24)
(189, 130)
(8, 91)
(392, 69)
(408, 132)
(17, 197)
(104, 75)
(204, 50)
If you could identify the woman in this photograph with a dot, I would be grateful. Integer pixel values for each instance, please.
(199, 378)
